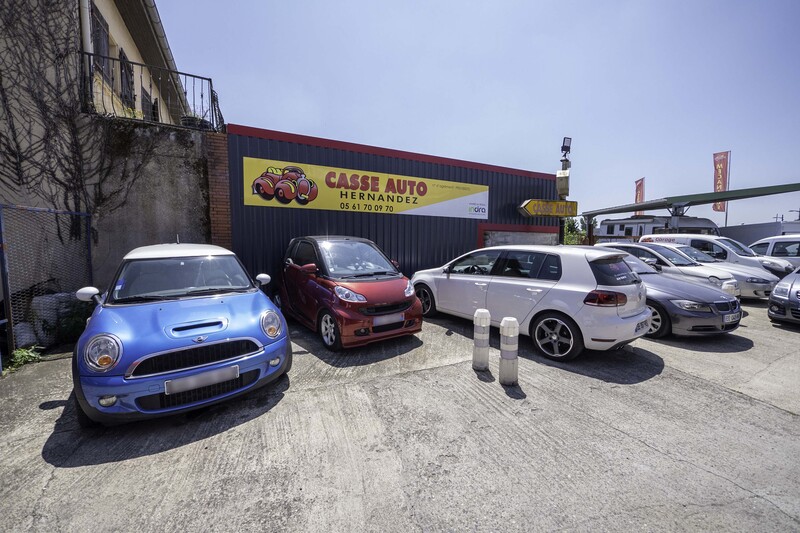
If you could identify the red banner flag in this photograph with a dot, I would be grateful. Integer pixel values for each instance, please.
(639, 196)
(721, 173)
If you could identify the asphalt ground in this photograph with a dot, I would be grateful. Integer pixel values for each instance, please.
(679, 435)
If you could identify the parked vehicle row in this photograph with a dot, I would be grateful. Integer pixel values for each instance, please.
(183, 326)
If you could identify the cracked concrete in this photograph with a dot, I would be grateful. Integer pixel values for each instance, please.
(678, 435)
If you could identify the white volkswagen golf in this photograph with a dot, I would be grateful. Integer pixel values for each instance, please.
(566, 298)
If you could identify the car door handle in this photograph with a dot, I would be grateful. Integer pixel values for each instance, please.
(537, 291)
(480, 284)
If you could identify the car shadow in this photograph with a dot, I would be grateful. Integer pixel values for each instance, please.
(70, 446)
(626, 366)
(723, 343)
(350, 357)
(752, 303)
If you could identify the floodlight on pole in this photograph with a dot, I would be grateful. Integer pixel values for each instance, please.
(565, 145)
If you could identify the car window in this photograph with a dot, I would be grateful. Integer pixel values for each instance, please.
(478, 263)
(714, 250)
(304, 254)
(551, 269)
(738, 247)
(176, 277)
(674, 257)
(786, 249)
(613, 271)
(519, 264)
(760, 248)
(639, 266)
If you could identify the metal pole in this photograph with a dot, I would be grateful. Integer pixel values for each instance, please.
(727, 204)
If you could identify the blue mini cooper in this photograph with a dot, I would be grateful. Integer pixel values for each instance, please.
(182, 326)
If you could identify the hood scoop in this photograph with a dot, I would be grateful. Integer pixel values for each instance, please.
(200, 327)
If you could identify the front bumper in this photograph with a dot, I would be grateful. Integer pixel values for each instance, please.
(690, 324)
(756, 290)
(357, 329)
(145, 397)
(783, 310)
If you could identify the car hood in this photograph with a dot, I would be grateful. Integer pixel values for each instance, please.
(705, 271)
(172, 324)
(378, 290)
(682, 289)
(744, 270)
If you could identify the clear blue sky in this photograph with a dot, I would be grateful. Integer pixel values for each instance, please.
(644, 88)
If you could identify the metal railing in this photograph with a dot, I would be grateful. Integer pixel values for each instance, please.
(126, 89)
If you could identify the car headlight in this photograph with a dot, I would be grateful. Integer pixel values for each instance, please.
(271, 324)
(689, 305)
(348, 296)
(715, 281)
(781, 289)
(409, 290)
(757, 280)
(103, 352)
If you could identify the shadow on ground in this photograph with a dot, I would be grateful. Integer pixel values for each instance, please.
(69, 446)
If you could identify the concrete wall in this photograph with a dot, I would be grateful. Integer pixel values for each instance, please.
(168, 202)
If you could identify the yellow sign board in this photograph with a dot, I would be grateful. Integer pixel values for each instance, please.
(548, 208)
(286, 184)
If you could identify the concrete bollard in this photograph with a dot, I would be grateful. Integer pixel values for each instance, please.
(509, 346)
(480, 350)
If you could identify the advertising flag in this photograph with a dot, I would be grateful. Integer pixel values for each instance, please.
(639, 195)
(721, 174)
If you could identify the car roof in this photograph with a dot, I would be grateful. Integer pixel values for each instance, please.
(163, 251)
(323, 238)
(590, 252)
(779, 238)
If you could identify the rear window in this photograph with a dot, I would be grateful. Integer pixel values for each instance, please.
(613, 271)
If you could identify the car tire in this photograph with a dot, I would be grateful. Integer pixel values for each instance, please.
(427, 300)
(263, 193)
(83, 419)
(328, 331)
(660, 323)
(556, 336)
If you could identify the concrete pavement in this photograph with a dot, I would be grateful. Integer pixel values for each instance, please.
(677, 435)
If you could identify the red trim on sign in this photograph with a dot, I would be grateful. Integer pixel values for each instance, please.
(248, 131)
(482, 227)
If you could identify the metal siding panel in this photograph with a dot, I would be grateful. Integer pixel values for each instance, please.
(260, 235)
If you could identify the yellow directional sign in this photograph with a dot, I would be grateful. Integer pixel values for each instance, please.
(548, 208)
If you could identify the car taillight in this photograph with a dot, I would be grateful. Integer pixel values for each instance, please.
(605, 299)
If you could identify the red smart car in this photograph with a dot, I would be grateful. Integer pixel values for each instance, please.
(347, 290)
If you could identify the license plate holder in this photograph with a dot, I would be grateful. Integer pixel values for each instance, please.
(382, 320)
(733, 317)
(212, 377)
(642, 325)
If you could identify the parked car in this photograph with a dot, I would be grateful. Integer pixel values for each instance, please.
(347, 290)
(182, 326)
(566, 298)
(782, 247)
(724, 249)
(685, 308)
(784, 302)
(754, 282)
(670, 262)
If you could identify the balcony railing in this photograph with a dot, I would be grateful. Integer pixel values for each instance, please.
(126, 89)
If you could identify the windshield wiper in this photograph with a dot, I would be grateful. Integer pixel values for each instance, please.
(215, 290)
(142, 298)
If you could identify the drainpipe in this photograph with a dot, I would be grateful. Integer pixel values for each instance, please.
(86, 46)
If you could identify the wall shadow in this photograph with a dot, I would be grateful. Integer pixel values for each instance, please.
(70, 446)
(375, 352)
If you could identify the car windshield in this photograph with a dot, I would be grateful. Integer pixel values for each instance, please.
(673, 256)
(142, 280)
(696, 254)
(638, 266)
(738, 247)
(355, 259)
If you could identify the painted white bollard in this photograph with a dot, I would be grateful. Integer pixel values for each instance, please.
(480, 349)
(509, 347)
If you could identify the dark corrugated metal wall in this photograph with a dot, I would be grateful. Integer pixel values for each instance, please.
(261, 234)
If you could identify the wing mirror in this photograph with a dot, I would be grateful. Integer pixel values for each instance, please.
(263, 279)
(88, 294)
(310, 268)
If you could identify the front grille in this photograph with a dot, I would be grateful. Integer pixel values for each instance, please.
(388, 327)
(724, 307)
(386, 309)
(154, 402)
(796, 313)
(193, 357)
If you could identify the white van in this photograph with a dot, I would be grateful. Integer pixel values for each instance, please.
(724, 249)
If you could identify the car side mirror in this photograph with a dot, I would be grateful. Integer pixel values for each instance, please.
(88, 294)
(310, 268)
(263, 279)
